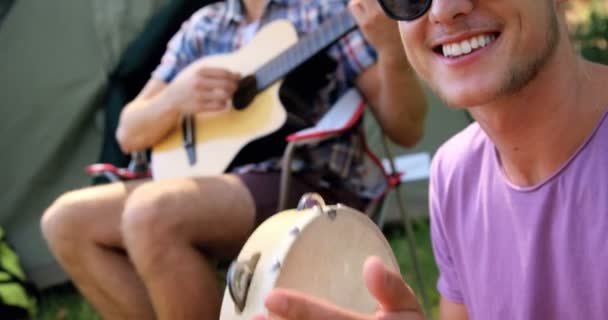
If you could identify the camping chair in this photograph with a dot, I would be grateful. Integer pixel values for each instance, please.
(343, 116)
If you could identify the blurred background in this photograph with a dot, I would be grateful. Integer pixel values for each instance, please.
(66, 69)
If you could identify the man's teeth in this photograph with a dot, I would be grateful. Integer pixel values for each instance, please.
(467, 46)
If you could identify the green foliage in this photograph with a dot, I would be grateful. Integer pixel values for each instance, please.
(425, 258)
(17, 295)
(65, 303)
(592, 37)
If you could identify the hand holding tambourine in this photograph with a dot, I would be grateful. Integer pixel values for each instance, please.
(307, 263)
(396, 301)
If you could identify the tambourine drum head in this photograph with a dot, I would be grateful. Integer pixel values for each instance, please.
(315, 253)
(327, 260)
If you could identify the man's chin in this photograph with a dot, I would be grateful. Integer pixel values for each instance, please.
(465, 99)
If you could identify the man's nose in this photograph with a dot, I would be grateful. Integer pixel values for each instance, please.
(448, 11)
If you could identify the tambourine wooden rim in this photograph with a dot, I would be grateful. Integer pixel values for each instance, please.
(316, 249)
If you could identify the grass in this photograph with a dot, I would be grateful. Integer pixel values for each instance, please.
(425, 258)
(65, 303)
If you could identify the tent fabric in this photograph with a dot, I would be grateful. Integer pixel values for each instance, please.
(55, 60)
(117, 23)
(5, 6)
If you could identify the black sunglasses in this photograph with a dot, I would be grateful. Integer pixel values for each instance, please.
(407, 10)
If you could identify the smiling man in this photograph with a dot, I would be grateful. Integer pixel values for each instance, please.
(519, 200)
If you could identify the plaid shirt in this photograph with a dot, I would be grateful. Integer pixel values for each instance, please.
(222, 28)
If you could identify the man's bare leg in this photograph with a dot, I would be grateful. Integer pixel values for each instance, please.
(82, 229)
(172, 227)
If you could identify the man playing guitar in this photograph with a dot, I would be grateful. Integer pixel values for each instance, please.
(145, 249)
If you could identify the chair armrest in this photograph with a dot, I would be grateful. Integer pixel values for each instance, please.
(343, 115)
(114, 173)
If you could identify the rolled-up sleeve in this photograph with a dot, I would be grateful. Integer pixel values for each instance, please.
(353, 54)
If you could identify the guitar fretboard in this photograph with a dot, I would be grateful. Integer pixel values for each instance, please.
(327, 33)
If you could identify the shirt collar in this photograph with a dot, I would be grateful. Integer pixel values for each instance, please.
(235, 10)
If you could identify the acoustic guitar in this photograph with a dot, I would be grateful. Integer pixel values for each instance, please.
(205, 144)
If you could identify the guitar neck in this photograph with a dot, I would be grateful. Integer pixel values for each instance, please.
(327, 33)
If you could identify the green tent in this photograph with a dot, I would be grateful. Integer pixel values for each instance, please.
(56, 60)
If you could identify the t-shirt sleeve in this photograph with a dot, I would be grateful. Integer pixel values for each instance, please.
(448, 283)
(183, 48)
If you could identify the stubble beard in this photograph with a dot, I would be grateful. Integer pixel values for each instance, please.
(521, 75)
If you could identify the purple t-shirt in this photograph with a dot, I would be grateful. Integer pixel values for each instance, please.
(507, 252)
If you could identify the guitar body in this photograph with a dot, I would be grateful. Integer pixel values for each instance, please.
(221, 135)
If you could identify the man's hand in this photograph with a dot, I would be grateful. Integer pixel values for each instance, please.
(396, 301)
(379, 30)
(198, 88)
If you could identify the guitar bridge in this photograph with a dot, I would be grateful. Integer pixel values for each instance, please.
(189, 138)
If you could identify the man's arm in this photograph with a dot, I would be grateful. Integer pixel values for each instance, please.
(156, 110)
(396, 100)
(449, 310)
(390, 85)
(138, 117)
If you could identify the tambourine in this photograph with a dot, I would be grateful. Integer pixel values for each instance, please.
(315, 249)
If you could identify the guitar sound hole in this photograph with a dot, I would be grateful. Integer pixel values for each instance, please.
(247, 90)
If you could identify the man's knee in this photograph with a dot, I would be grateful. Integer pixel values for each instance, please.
(147, 217)
(150, 225)
(61, 223)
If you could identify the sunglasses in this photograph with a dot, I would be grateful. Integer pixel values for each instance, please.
(406, 10)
